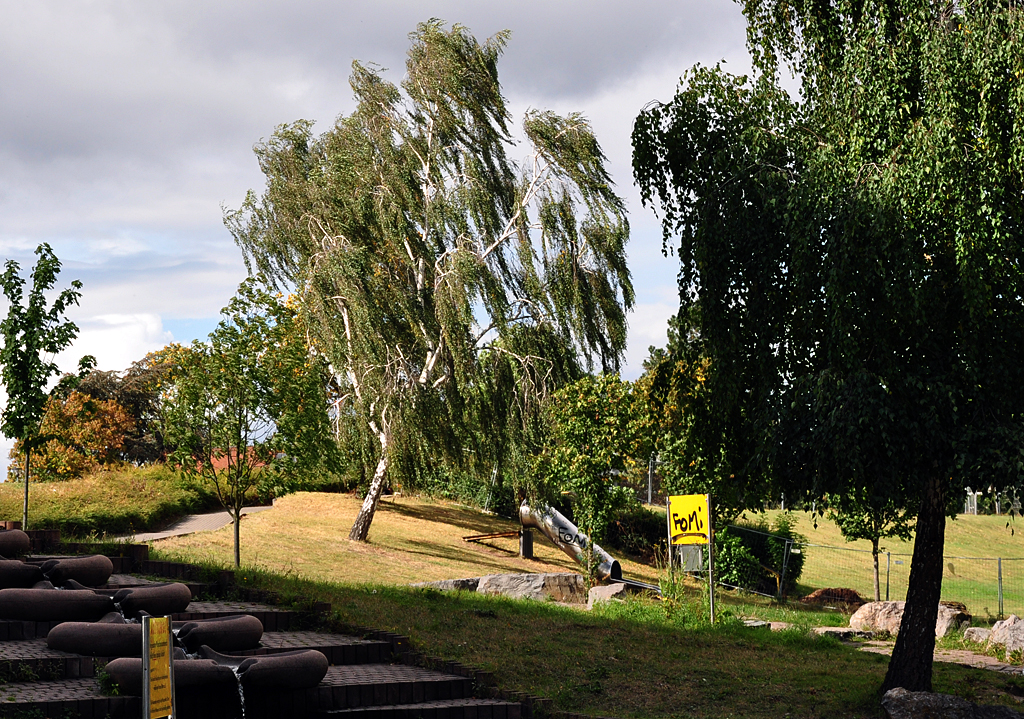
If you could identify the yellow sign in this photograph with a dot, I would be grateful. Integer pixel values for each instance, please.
(158, 675)
(688, 521)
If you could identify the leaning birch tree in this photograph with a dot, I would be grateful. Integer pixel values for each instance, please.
(450, 287)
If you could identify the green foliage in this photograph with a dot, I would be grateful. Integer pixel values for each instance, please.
(450, 289)
(30, 333)
(639, 531)
(855, 258)
(597, 432)
(248, 410)
(753, 555)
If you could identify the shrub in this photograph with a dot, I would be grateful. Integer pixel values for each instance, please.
(638, 531)
(753, 555)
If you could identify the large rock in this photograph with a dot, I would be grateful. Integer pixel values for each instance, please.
(899, 703)
(977, 634)
(606, 593)
(886, 617)
(557, 586)
(468, 584)
(1008, 633)
(878, 617)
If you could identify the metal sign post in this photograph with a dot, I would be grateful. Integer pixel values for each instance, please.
(689, 522)
(157, 668)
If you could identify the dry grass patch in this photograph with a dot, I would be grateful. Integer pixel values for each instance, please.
(411, 540)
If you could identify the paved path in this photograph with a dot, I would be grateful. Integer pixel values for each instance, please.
(953, 656)
(192, 523)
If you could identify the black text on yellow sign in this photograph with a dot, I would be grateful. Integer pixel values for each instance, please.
(157, 674)
(688, 518)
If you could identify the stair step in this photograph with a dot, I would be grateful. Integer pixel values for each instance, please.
(69, 697)
(363, 685)
(441, 709)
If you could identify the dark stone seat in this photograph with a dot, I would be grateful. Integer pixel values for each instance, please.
(224, 634)
(154, 599)
(127, 672)
(91, 571)
(47, 605)
(97, 639)
(15, 574)
(300, 669)
(14, 543)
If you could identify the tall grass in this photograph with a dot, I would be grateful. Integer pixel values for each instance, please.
(105, 503)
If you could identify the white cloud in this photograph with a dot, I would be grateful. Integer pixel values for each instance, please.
(115, 340)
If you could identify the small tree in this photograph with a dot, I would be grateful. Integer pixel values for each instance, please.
(598, 429)
(860, 516)
(30, 334)
(249, 404)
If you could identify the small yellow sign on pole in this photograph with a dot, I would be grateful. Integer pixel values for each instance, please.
(689, 522)
(157, 668)
(688, 519)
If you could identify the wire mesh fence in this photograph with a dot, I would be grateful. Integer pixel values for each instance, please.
(987, 586)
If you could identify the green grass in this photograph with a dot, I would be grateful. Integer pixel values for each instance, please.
(635, 660)
(105, 503)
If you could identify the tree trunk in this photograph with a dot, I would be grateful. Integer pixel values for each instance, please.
(238, 552)
(361, 527)
(24, 512)
(874, 556)
(911, 663)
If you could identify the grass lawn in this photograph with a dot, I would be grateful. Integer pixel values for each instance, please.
(411, 540)
(971, 570)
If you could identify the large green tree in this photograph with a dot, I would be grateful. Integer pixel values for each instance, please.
(250, 405)
(450, 288)
(855, 256)
(33, 334)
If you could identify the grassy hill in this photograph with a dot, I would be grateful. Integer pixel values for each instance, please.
(411, 540)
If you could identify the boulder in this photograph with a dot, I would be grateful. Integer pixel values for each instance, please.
(899, 703)
(606, 593)
(14, 543)
(878, 617)
(977, 634)
(886, 617)
(833, 595)
(451, 585)
(1008, 633)
(560, 587)
(952, 616)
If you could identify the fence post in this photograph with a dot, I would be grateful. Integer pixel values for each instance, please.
(888, 561)
(999, 564)
(785, 563)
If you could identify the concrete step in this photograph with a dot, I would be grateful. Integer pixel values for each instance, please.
(79, 698)
(441, 709)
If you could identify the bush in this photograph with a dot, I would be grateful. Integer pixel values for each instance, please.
(752, 555)
(638, 531)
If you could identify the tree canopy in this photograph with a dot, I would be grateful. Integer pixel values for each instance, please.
(33, 334)
(855, 260)
(450, 287)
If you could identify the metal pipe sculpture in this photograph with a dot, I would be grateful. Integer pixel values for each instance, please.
(569, 539)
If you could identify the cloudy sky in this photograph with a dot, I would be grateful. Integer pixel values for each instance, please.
(125, 127)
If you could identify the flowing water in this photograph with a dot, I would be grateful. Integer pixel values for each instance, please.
(241, 691)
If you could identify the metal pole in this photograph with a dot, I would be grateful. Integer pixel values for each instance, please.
(650, 480)
(668, 530)
(888, 560)
(999, 564)
(785, 563)
(711, 562)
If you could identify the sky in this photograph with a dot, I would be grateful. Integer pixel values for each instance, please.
(127, 128)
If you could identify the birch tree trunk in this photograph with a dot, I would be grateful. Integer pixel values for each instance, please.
(361, 527)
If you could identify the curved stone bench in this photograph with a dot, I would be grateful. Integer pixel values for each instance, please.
(300, 669)
(97, 639)
(14, 543)
(224, 634)
(48, 605)
(15, 574)
(91, 571)
(154, 599)
(127, 672)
